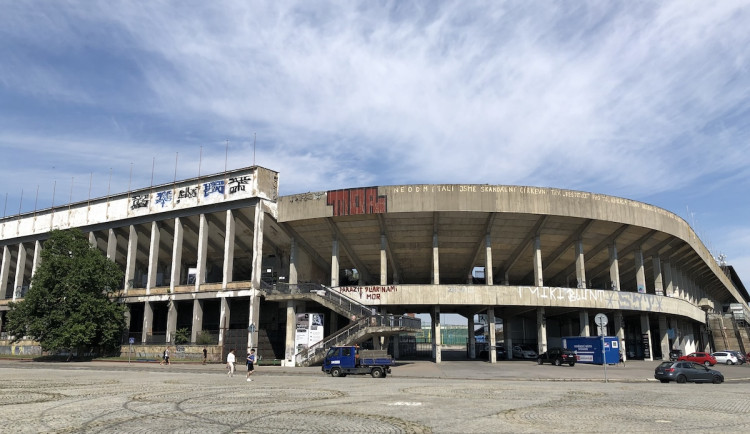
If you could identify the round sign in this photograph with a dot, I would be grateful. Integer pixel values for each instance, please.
(600, 319)
(132, 341)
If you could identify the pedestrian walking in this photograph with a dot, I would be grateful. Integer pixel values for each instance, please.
(230, 363)
(622, 358)
(165, 357)
(251, 359)
(205, 355)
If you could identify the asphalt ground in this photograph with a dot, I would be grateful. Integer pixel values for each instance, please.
(418, 397)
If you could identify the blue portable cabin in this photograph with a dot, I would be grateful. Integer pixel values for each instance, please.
(589, 348)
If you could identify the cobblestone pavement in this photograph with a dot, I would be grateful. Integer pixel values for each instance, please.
(468, 397)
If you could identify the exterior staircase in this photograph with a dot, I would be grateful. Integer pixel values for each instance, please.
(365, 323)
(729, 333)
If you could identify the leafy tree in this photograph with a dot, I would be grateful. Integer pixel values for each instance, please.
(181, 336)
(68, 305)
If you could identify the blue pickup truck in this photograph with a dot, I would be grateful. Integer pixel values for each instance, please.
(342, 361)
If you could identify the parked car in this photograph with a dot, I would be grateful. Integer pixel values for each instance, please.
(705, 359)
(740, 357)
(675, 354)
(558, 356)
(725, 357)
(683, 371)
(523, 352)
(499, 349)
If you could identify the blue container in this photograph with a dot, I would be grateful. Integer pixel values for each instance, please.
(589, 349)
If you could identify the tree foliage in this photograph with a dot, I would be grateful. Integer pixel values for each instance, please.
(69, 304)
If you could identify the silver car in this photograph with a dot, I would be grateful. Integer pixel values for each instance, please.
(725, 357)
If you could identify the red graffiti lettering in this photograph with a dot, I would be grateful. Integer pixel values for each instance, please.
(356, 201)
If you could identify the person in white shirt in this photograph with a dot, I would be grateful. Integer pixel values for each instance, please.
(230, 363)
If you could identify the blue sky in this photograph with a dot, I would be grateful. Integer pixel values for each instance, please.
(644, 100)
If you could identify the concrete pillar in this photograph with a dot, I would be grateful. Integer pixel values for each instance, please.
(92, 239)
(491, 334)
(5, 271)
(111, 245)
(436, 339)
(36, 259)
(508, 338)
(200, 277)
(335, 263)
(257, 247)
(583, 319)
(130, 260)
(435, 260)
(538, 277)
(488, 278)
(614, 267)
(293, 265)
(646, 332)
(153, 256)
(20, 271)
(228, 268)
(664, 337)
(253, 319)
(289, 346)
(197, 325)
(669, 289)
(541, 327)
(472, 338)
(396, 350)
(171, 320)
(580, 264)
(223, 319)
(620, 332)
(640, 273)
(148, 319)
(176, 271)
(383, 260)
(569, 326)
(658, 282)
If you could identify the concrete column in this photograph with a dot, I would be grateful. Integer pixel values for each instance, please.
(200, 277)
(658, 282)
(130, 260)
(293, 265)
(257, 246)
(669, 290)
(37, 258)
(664, 337)
(538, 277)
(92, 239)
(677, 275)
(472, 338)
(569, 326)
(148, 319)
(253, 319)
(620, 332)
(507, 335)
(488, 277)
(176, 271)
(646, 330)
(197, 325)
(580, 264)
(171, 320)
(435, 260)
(396, 351)
(436, 339)
(491, 334)
(383, 260)
(223, 319)
(111, 245)
(20, 271)
(640, 273)
(153, 256)
(335, 263)
(614, 267)
(289, 347)
(541, 327)
(583, 319)
(228, 267)
(5, 271)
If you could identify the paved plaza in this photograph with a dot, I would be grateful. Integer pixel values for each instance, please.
(419, 397)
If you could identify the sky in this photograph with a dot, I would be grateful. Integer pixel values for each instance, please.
(645, 100)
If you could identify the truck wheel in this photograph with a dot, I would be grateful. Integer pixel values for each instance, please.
(336, 372)
(558, 362)
(377, 373)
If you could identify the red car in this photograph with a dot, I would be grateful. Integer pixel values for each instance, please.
(706, 359)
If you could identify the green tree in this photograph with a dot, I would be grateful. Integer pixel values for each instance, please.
(69, 305)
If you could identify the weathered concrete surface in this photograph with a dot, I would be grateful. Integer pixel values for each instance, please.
(420, 397)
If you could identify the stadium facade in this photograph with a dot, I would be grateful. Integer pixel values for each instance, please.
(224, 256)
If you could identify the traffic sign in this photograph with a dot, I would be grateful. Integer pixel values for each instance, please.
(600, 319)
